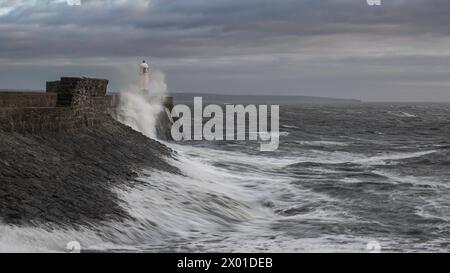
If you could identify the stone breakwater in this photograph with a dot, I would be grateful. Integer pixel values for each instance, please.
(59, 164)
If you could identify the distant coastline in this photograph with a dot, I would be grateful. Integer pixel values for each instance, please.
(257, 99)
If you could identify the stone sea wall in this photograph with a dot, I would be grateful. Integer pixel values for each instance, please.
(62, 155)
(27, 99)
(70, 103)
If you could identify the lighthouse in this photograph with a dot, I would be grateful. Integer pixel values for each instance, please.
(144, 76)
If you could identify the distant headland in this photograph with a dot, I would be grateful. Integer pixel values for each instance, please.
(259, 99)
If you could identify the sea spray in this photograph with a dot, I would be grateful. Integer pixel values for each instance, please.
(139, 109)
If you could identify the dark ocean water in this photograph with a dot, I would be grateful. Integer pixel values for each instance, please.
(348, 175)
(344, 177)
(384, 168)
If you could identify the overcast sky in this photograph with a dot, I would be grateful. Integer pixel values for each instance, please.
(399, 51)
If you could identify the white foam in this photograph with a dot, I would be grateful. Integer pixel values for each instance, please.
(290, 126)
(324, 157)
(402, 114)
(381, 159)
(207, 155)
(139, 109)
(321, 143)
(27, 239)
(414, 180)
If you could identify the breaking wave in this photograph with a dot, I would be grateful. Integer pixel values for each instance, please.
(309, 196)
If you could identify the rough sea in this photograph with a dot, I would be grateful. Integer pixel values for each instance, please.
(346, 178)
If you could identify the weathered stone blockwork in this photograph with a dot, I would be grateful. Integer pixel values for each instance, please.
(27, 99)
(35, 120)
(76, 91)
(68, 104)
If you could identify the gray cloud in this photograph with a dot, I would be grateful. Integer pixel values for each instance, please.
(343, 48)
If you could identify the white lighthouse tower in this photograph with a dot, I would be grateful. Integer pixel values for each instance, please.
(144, 77)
